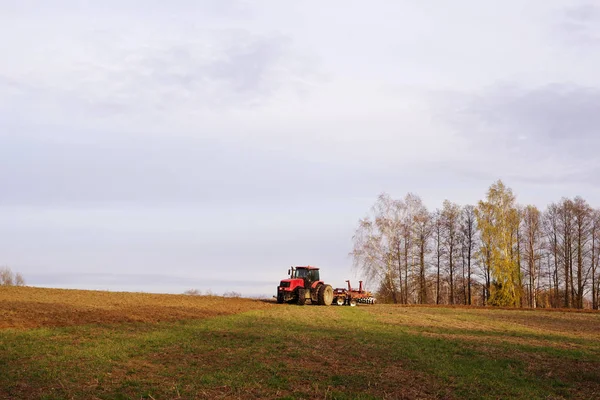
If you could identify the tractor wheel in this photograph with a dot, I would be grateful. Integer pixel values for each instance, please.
(325, 295)
(352, 302)
(279, 298)
(301, 297)
(340, 301)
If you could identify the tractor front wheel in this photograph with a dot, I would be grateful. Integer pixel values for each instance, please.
(340, 301)
(301, 297)
(280, 298)
(352, 302)
(325, 295)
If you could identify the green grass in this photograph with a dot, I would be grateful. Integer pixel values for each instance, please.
(290, 352)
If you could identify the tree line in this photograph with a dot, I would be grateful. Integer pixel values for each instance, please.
(496, 252)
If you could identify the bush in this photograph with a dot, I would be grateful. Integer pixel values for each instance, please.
(8, 278)
(232, 294)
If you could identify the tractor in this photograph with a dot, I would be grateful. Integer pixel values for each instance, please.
(304, 284)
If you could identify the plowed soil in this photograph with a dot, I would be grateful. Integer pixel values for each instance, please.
(28, 307)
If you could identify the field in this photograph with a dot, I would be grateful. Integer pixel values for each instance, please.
(70, 344)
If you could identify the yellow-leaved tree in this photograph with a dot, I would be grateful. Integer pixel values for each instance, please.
(498, 220)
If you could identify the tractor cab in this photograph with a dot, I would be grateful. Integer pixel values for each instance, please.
(308, 274)
(305, 277)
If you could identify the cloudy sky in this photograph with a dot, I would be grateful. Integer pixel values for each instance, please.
(161, 146)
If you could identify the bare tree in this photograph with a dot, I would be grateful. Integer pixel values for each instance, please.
(469, 231)
(532, 227)
(422, 231)
(414, 212)
(451, 226)
(582, 218)
(8, 278)
(438, 237)
(552, 232)
(19, 280)
(566, 247)
(595, 256)
(376, 243)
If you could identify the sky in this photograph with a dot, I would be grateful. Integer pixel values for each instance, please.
(163, 146)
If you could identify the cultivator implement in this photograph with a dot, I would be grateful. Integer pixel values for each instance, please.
(367, 300)
(351, 297)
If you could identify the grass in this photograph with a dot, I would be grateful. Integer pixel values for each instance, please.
(261, 350)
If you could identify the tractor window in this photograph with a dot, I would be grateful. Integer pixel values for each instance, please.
(310, 274)
(301, 273)
(316, 275)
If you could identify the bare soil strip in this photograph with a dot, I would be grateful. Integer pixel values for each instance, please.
(28, 307)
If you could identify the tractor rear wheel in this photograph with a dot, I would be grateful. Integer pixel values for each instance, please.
(325, 295)
(301, 297)
(340, 301)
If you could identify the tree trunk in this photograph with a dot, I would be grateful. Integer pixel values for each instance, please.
(567, 258)
(572, 303)
(451, 274)
(469, 271)
(439, 256)
(399, 259)
(579, 271)
(519, 274)
(406, 251)
(464, 285)
(488, 283)
(593, 266)
(423, 296)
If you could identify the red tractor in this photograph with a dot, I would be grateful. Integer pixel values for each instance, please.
(304, 284)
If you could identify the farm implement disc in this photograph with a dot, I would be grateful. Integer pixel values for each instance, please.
(367, 300)
(351, 297)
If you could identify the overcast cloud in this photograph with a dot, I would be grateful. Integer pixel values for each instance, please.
(160, 146)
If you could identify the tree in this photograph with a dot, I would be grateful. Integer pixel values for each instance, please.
(595, 256)
(414, 226)
(566, 233)
(8, 278)
(376, 244)
(469, 231)
(484, 217)
(582, 218)
(391, 245)
(450, 224)
(438, 233)
(552, 232)
(498, 220)
(532, 227)
(422, 231)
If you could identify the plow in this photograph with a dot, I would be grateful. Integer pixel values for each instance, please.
(351, 297)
